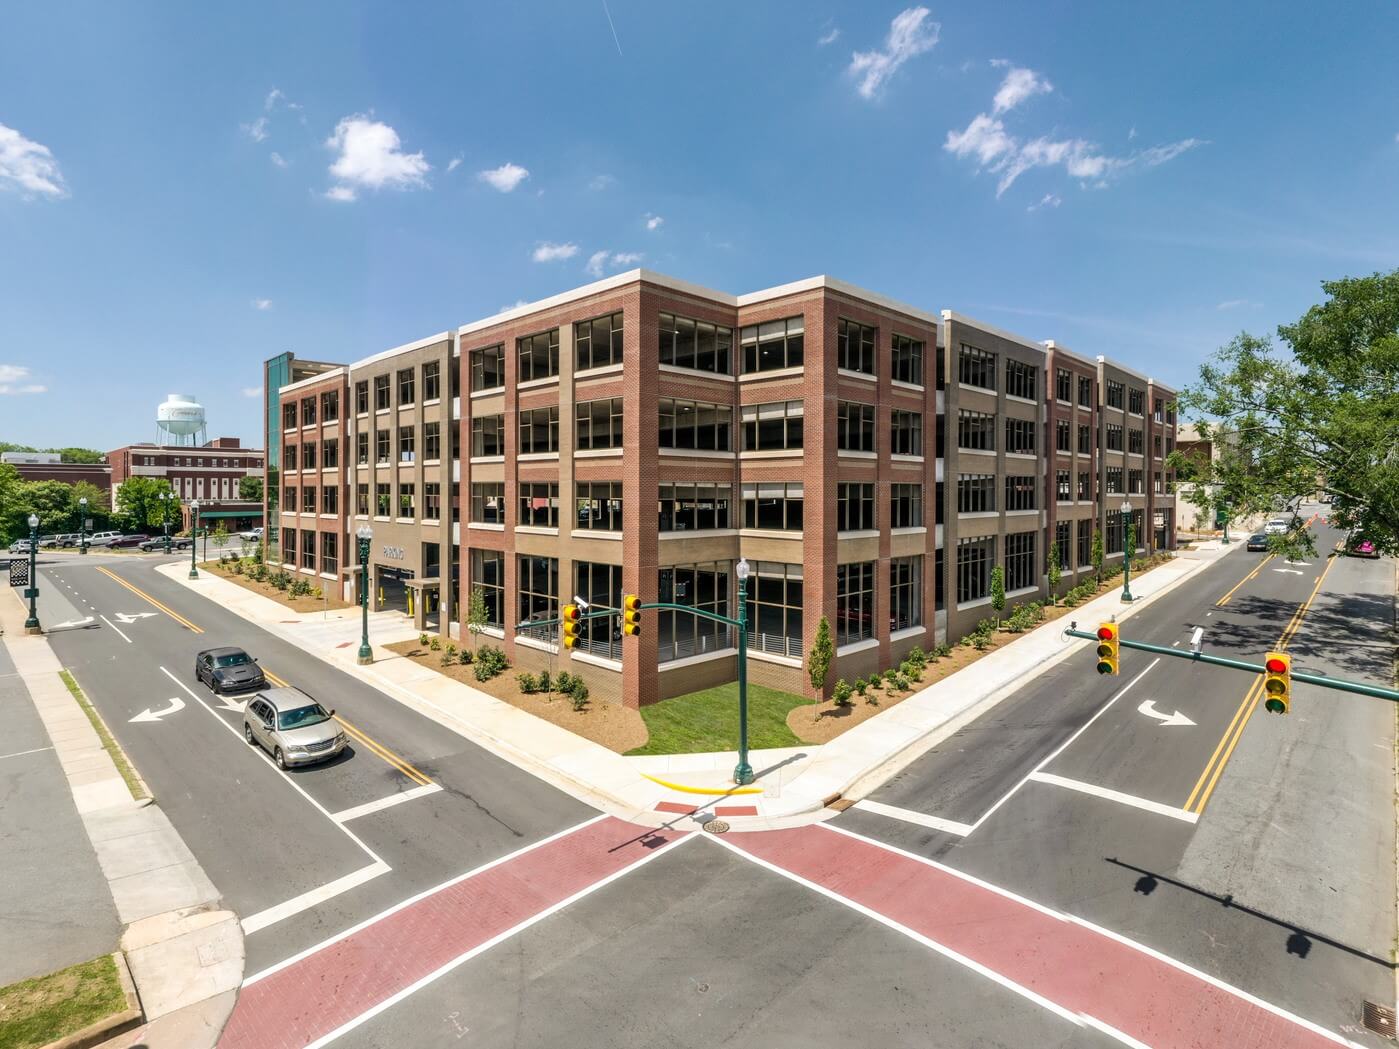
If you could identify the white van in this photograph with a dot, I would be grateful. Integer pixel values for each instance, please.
(102, 538)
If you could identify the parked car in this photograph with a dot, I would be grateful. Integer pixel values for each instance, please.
(228, 669)
(123, 542)
(292, 726)
(156, 543)
(1361, 548)
(68, 539)
(19, 546)
(1257, 541)
(252, 535)
(102, 538)
(48, 542)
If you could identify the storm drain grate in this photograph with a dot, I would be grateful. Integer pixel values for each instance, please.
(719, 827)
(1380, 1019)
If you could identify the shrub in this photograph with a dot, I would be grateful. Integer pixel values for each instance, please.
(489, 662)
(237, 567)
(564, 681)
(875, 682)
(943, 650)
(902, 683)
(281, 580)
(449, 655)
(434, 643)
(466, 657)
(890, 676)
(917, 657)
(545, 685)
(527, 682)
(578, 693)
(818, 660)
(423, 640)
(860, 686)
(841, 693)
(316, 592)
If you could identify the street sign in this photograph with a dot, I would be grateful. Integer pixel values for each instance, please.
(19, 573)
(31, 591)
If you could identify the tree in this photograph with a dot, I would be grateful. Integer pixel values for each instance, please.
(818, 660)
(1323, 418)
(80, 455)
(1096, 555)
(476, 614)
(998, 592)
(138, 501)
(250, 488)
(1055, 573)
(9, 498)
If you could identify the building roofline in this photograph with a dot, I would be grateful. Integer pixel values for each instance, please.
(408, 347)
(1010, 336)
(1102, 359)
(311, 380)
(1050, 344)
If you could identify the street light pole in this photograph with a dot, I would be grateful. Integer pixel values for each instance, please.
(193, 537)
(1129, 547)
(82, 524)
(165, 498)
(31, 625)
(743, 771)
(366, 654)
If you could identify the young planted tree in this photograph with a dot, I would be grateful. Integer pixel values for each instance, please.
(476, 614)
(998, 592)
(1096, 555)
(818, 660)
(1055, 573)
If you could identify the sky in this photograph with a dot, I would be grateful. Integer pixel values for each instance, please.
(189, 189)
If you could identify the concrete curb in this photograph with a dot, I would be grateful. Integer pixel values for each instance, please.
(109, 1026)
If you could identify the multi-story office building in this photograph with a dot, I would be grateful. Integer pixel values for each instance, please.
(642, 435)
(208, 473)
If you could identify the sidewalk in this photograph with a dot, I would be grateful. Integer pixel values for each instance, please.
(794, 784)
(184, 953)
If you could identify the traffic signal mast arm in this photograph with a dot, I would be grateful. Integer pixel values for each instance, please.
(1357, 687)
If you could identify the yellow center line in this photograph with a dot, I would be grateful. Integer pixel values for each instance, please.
(147, 597)
(1256, 569)
(1222, 752)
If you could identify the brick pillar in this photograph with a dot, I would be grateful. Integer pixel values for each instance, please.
(819, 549)
(640, 463)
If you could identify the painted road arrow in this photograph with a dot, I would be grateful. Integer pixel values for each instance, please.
(130, 617)
(176, 705)
(1148, 707)
(232, 704)
(1289, 571)
(73, 622)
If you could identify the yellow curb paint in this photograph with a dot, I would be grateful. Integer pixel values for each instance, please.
(712, 792)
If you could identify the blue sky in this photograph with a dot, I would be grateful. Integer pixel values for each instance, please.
(188, 189)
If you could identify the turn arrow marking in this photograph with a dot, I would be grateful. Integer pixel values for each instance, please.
(130, 617)
(176, 705)
(1289, 571)
(232, 704)
(72, 622)
(1148, 707)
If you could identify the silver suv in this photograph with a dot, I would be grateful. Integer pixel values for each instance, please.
(292, 726)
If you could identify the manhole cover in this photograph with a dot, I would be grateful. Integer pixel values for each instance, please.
(1379, 1019)
(716, 827)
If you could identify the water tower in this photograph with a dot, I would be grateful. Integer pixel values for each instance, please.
(180, 421)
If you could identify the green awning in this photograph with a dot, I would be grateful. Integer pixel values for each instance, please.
(229, 513)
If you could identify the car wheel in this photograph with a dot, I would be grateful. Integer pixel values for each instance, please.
(248, 735)
(280, 759)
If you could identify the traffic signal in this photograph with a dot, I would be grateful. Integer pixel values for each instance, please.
(570, 625)
(1277, 682)
(631, 615)
(1107, 648)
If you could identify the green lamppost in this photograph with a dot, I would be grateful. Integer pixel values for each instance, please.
(82, 524)
(165, 499)
(1128, 549)
(1225, 511)
(193, 537)
(31, 625)
(364, 535)
(743, 772)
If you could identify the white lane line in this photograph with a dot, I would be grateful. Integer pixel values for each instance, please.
(1117, 796)
(1065, 916)
(115, 627)
(384, 803)
(21, 753)
(910, 816)
(262, 919)
(481, 948)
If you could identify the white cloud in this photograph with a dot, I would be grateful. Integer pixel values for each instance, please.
(252, 391)
(654, 222)
(1133, 134)
(504, 178)
(513, 306)
(278, 159)
(596, 261)
(28, 165)
(599, 182)
(626, 258)
(1019, 85)
(1049, 200)
(1234, 304)
(262, 304)
(910, 35)
(829, 37)
(1158, 155)
(257, 130)
(371, 155)
(12, 383)
(549, 252)
(600, 260)
(984, 138)
(341, 194)
(453, 164)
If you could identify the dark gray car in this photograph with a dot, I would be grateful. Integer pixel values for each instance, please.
(228, 670)
(292, 726)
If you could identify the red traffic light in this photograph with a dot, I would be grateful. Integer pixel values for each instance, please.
(1104, 633)
(1275, 665)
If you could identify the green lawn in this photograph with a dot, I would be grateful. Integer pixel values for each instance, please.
(39, 1011)
(708, 720)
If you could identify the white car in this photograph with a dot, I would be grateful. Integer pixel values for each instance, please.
(1278, 526)
(102, 538)
(252, 535)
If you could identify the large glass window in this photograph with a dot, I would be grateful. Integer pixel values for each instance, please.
(854, 602)
(1063, 385)
(381, 393)
(599, 506)
(1021, 491)
(1020, 436)
(289, 415)
(1135, 482)
(771, 426)
(598, 342)
(330, 454)
(704, 586)
(407, 444)
(1063, 540)
(405, 386)
(383, 500)
(330, 499)
(976, 493)
(539, 504)
(1114, 437)
(700, 345)
(695, 424)
(308, 416)
(487, 568)
(308, 549)
(432, 381)
(600, 423)
(601, 586)
(976, 368)
(362, 448)
(854, 507)
(1022, 567)
(974, 560)
(362, 397)
(773, 505)
(772, 345)
(905, 592)
(1022, 380)
(775, 607)
(539, 355)
(330, 406)
(907, 432)
(487, 435)
(684, 507)
(1112, 484)
(855, 427)
(907, 360)
(330, 562)
(432, 501)
(407, 503)
(1084, 543)
(1136, 401)
(1085, 392)
(539, 430)
(488, 368)
(1085, 440)
(289, 545)
(1063, 486)
(1136, 442)
(538, 590)
(432, 441)
(308, 499)
(976, 431)
(855, 346)
(1085, 486)
(362, 500)
(905, 506)
(488, 502)
(1114, 392)
(1063, 436)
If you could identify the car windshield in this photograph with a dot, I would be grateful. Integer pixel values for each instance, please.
(302, 716)
(233, 659)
